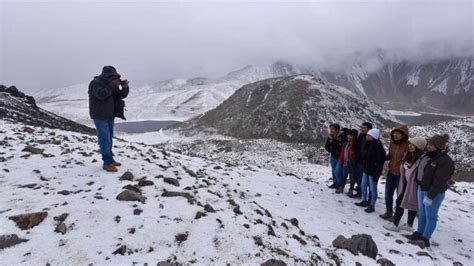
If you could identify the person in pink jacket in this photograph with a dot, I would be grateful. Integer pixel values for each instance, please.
(407, 195)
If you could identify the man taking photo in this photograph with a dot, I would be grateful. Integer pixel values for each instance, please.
(106, 94)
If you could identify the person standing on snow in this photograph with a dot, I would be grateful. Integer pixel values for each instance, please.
(333, 146)
(396, 151)
(373, 159)
(407, 195)
(106, 103)
(434, 173)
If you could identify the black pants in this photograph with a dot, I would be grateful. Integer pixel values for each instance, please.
(399, 211)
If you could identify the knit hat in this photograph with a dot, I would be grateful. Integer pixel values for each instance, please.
(374, 133)
(419, 142)
(439, 141)
(108, 71)
(353, 132)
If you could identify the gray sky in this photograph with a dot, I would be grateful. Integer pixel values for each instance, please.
(51, 44)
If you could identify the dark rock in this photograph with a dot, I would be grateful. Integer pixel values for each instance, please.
(188, 196)
(61, 228)
(133, 188)
(7, 241)
(144, 183)
(199, 215)
(424, 253)
(190, 172)
(33, 150)
(121, 250)
(394, 251)
(137, 211)
(181, 237)
(208, 208)
(294, 222)
(299, 239)
(258, 240)
(273, 262)
(127, 176)
(385, 262)
(237, 210)
(128, 195)
(357, 243)
(65, 192)
(171, 181)
(28, 220)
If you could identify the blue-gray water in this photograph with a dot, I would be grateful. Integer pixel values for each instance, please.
(423, 119)
(142, 126)
(152, 125)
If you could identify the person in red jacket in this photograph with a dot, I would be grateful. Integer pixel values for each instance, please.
(346, 163)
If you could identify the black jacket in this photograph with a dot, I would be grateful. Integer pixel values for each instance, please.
(361, 139)
(105, 101)
(373, 158)
(334, 145)
(438, 171)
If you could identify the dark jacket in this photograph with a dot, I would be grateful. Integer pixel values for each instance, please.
(333, 145)
(105, 101)
(438, 171)
(373, 158)
(361, 139)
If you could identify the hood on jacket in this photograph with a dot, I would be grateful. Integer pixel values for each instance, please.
(403, 129)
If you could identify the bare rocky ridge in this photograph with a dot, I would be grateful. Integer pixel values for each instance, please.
(16, 106)
(291, 109)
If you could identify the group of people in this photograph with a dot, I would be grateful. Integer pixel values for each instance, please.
(419, 171)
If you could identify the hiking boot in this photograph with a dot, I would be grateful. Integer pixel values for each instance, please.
(339, 190)
(350, 192)
(332, 186)
(370, 209)
(414, 236)
(422, 243)
(391, 227)
(406, 227)
(386, 216)
(362, 204)
(116, 164)
(110, 168)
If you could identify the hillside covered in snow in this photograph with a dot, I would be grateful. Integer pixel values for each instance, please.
(293, 109)
(163, 206)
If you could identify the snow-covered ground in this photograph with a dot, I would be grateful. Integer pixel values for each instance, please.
(255, 231)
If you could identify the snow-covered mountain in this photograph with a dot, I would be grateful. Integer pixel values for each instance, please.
(295, 109)
(176, 99)
(443, 85)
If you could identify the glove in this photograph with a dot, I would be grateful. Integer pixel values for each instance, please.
(427, 201)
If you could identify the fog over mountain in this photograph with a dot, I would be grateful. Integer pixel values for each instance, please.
(56, 44)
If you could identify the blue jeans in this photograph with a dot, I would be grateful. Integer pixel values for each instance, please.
(428, 216)
(105, 133)
(391, 186)
(366, 182)
(341, 175)
(333, 168)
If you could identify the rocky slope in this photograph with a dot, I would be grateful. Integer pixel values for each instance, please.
(18, 107)
(461, 144)
(293, 109)
(443, 85)
(167, 207)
